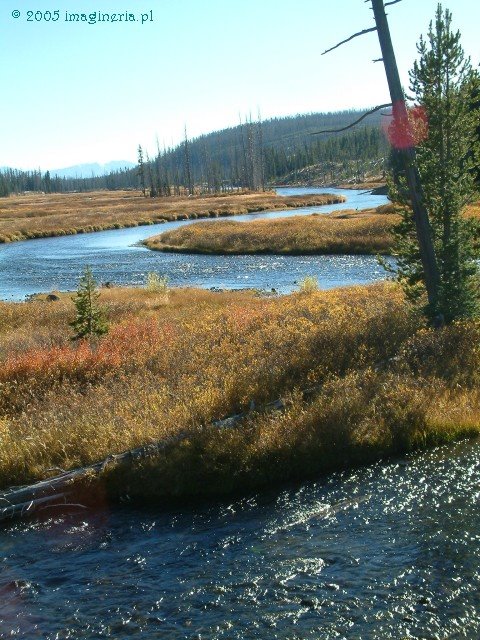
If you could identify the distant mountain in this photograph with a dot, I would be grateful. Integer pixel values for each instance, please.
(93, 169)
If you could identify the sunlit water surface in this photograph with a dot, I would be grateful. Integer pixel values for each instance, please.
(387, 551)
(117, 256)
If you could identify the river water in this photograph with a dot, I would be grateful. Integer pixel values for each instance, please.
(50, 264)
(389, 551)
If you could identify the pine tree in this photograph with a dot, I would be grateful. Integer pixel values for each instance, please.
(48, 182)
(90, 320)
(4, 189)
(141, 170)
(444, 125)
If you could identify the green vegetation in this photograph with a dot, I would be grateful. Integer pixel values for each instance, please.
(246, 156)
(90, 318)
(359, 379)
(445, 123)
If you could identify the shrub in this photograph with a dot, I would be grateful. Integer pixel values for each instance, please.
(156, 283)
(309, 284)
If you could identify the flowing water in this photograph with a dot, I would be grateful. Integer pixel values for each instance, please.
(389, 551)
(117, 256)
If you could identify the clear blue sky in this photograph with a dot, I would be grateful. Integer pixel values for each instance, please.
(75, 92)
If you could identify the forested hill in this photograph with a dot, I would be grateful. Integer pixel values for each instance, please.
(285, 135)
(280, 146)
(251, 155)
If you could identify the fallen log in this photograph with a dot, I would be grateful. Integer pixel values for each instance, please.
(24, 501)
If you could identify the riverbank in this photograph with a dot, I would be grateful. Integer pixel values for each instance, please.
(375, 184)
(359, 380)
(366, 232)
(344, 232)
(48, 215)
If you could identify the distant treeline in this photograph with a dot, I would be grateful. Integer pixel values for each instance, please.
(16, 181)
(251, 155)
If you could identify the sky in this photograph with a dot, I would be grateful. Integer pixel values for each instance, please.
(75, 92)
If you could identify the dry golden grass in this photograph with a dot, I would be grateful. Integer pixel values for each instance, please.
(473, 210)
(37, 215)
(375, 182)
(166, 366)
(341, 232)
(358, 418)
(173, 364)
(344, 232)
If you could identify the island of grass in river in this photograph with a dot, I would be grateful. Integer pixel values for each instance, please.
(367, 232)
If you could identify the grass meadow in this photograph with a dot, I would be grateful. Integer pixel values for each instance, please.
(37, 215)
(344, 232)
(359, 375)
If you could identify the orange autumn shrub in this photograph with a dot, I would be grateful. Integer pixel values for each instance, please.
(170, 368)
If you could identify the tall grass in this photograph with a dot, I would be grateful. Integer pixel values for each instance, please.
(345, 232)
(40, 215)
(375, 384)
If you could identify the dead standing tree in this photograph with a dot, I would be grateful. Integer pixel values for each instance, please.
(406, 150)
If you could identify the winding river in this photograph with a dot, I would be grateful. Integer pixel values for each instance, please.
(117, 256)
(388, 551)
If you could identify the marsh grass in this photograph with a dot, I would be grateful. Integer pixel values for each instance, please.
(377, 384)
(349, 232)
(41, 215)
(343, 232)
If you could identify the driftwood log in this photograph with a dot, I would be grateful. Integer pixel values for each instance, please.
(58, 492)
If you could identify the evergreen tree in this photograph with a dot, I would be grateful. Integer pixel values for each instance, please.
(475, 107)
(4, 189)
(444, 125)
(141, 170)
(90, 320)
(47, 182)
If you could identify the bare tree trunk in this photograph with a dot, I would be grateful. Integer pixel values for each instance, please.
(244, 158)
(188, 170)
(408, 157)
(261, 152)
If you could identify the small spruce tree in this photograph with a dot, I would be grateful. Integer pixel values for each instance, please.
(90, 320)
(141, 170)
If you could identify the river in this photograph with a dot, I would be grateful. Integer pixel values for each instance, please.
(117, 256)
(388, 551)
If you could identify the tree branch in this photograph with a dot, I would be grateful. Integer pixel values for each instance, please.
(386, 3)
(381, 106)
(355, 35)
